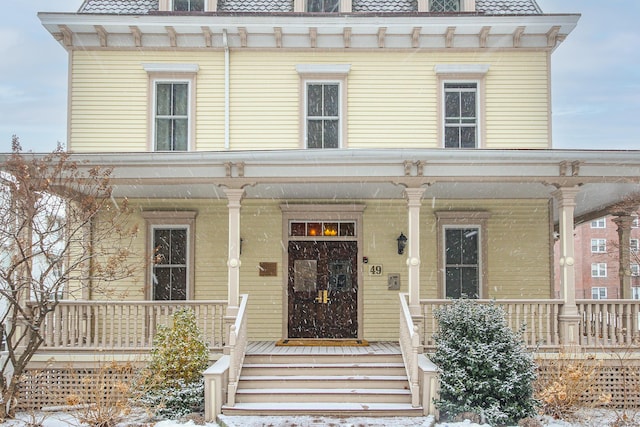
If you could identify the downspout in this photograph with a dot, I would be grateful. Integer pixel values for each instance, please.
(225, 42)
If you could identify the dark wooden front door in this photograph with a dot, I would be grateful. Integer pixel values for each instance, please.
(323, 289)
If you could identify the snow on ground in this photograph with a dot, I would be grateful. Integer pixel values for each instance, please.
(590, 418)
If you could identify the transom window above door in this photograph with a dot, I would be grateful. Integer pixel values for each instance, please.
(322, 228)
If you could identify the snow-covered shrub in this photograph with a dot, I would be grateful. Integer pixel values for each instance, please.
(484, 366)
(179, 352)
(176, 401)
(179, 357)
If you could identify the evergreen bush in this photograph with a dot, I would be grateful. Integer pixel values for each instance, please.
(484, 366)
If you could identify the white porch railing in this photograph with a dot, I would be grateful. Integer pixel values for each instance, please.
(237, 349)
(125, 325)
(609, 323)
(410, 347)
(540, 318)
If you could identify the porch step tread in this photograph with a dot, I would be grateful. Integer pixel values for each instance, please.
(333, 408)
(324, 377)
(325, 365)
(308, 391)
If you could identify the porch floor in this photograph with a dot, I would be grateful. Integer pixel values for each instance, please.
(270, 347)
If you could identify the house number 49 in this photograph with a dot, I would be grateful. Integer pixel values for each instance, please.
(375, 270)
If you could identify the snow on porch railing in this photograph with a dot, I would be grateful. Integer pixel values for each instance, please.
(609, 323)
(410, 347)
(125, 325)
(237, 349)
(540, 318)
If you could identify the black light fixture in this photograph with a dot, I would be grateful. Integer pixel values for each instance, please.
(402, 242)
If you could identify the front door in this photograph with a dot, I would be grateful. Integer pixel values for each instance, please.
(323, 289)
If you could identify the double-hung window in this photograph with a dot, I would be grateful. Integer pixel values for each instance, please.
(444, 5)
(599, 269)
(634, 245)
(462, 262)
(635, 270)
(598, 246)
(328, 6)
(598, 293)
(171, 115)
(323, 114)
(188, 5)
(599, 223)
(461, 115)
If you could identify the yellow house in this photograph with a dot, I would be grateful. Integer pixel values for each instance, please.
(300, 164)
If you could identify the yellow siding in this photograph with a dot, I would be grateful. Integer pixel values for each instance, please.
(391, 98)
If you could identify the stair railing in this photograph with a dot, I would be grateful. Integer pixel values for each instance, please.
(410, 347)
(237, 349)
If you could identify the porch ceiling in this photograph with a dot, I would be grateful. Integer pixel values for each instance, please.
(604, 177)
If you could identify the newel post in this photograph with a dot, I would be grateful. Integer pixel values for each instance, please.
(569, 317)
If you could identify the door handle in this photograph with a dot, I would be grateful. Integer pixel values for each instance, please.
(323, 297)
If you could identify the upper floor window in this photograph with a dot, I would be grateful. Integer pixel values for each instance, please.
(444, 6)
(636, 222)
(323, 5)
(598, 293)
(323, 114)
(188, 5)
(599, 269)
(599, 223)
(598, 246)
(171, 116)
(634, 245)
(461, 115)
(635, 270)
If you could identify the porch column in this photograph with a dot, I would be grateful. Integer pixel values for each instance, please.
(569, 319)
(414, 202)
(624, 221)
(234, 197)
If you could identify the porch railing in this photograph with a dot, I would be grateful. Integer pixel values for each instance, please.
(540, 318)
(125, 325)
(410, 347)
(609, 323)
(237, 349)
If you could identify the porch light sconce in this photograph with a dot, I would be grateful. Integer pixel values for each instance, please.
(402, 243)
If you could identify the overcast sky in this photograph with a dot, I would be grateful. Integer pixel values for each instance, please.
(595, 76)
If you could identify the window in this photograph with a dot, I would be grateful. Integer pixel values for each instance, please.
(323, 114)
(444, 5)
(636, 222)
(171, 246)
(323, 6)
(462, 267)
(599, 223)
(171, 116)
(598, 246)
(599, 293)
(188, 5)
(169, 278)
(635, 270)
(634, 245)
(599, 269)
(636, 292)
(460, 115)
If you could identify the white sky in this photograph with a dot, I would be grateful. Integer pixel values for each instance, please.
(595, 76)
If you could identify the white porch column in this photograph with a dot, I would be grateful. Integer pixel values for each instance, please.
(414, 202)
(624, 220)
(568, 318)
(234, 197)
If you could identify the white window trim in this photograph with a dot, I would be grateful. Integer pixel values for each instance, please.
(463, 219)
(597, 269)
(324, 73)
(596, 223)
(599, 290)
(170, 219)
(597, 244)
(462, 73)
(176, 73)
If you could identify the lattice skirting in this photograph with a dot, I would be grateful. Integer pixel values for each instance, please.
(617, 377)
(73, 385)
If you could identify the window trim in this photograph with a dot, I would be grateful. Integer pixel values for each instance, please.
(457, 74)
(599, 223)
(324, 73)
(463, 219)
(600, 246)
(170, 219)
(599, 290)
(171, 73)
(595, 268)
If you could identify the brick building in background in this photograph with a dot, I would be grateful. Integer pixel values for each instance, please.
(597, 265)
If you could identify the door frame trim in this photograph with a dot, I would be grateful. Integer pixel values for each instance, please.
(320, 212)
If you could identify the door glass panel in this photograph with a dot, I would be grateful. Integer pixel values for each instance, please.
(305, 273)
(339, 275)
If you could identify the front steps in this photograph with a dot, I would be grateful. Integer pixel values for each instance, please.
(369, 384)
